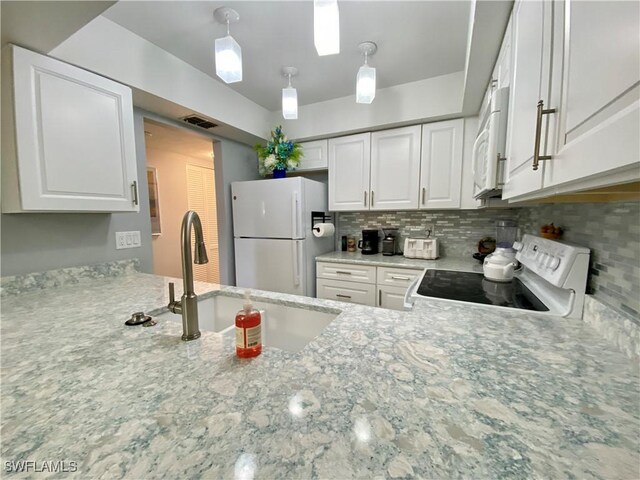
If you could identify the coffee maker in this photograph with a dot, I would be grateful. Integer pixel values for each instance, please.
(389, 243)
(369, 242)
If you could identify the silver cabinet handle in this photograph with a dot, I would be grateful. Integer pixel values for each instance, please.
(398, 277)
(343, 272)
(536, 148)
(365, 198)
(372, 198)
(379, 297)
(342, 296)
(424, 192)
(134, 192)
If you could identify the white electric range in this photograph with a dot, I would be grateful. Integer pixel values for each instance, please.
(552, 280)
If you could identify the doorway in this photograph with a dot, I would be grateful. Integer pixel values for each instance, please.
(181, 177)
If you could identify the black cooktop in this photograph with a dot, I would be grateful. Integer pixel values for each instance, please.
(474, 288)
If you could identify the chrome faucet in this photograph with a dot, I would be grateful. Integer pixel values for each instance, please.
(188, 304)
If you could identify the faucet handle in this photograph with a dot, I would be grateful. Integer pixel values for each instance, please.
(175, 307)
(172, 292)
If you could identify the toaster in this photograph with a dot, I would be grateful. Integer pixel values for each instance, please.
(425, 248)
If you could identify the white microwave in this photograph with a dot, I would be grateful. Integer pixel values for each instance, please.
(489, 148)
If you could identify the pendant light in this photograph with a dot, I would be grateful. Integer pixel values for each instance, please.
(366, 79)
(289, 96)
(326, 27)
(228, 52)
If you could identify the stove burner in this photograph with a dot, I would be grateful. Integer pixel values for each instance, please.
(474, 288)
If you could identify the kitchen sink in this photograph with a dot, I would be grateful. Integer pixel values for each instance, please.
(284, 327)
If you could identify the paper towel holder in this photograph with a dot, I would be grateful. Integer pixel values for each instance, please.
(319, 217)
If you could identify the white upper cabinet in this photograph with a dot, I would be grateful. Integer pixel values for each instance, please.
(596, 75)
(68, 139)
(531, 49)
(581, 60)
(349, 166)
(395, 169)
(314, 156)
(441, 166)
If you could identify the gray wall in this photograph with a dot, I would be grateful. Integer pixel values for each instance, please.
(34, 242)
(612, 232)
(232, 162)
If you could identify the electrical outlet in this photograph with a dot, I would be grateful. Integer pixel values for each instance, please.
(128, 240)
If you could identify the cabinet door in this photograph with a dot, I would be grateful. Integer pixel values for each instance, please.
(502, 68)
(74, 139)
(441, 165)
(391, 297)
(395, 168)
(314, 156)
(349, 164)
(531, 34)
(595, 90)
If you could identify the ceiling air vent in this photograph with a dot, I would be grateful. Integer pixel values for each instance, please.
(199, 122)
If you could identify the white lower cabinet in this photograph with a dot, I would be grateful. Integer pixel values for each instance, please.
(351, 292)
(391, 297)
(68, 140)
(364, 284)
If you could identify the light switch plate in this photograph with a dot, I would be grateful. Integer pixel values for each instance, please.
(128, 240)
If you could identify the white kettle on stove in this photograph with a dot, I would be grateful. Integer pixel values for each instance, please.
(501, 265)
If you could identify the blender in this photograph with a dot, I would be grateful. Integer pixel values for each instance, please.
(500, 266)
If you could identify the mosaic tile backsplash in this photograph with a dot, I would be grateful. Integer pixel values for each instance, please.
(610, 230)
(458, 230)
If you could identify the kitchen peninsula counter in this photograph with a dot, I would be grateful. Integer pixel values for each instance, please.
(439, 392)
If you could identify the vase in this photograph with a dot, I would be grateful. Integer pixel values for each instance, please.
(279, 173)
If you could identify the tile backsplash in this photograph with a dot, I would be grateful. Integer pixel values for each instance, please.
(610, 230)
(458, 230)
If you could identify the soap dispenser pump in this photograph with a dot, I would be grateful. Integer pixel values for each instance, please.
(248, 330)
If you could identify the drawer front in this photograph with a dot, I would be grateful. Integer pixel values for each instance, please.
(397, 277)
(346, 271)
(351, 292)
(391, 297)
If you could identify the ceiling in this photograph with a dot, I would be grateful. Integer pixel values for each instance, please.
(177, 140)
(416, 40)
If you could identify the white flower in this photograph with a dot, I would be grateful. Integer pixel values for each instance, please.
(269, 161)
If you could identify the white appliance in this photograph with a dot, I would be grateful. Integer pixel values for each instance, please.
(425, 248)
(552, 280)
(500, 266)
(489, 148)
(275, 248)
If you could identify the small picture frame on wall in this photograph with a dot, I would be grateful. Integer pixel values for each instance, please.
(154, 201)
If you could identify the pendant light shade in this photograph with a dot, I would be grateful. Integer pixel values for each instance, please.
(326, 27)
(228, 52)
(289, 96)
(366, 78)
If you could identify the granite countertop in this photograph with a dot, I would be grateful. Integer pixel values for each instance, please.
(443, 391)
(399, 261)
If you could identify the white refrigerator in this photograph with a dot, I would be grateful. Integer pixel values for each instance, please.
(275, 248)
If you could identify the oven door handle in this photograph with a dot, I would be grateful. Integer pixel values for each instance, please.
(408, 300)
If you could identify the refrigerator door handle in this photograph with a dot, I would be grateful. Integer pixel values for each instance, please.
(295, 208)
(296, 264)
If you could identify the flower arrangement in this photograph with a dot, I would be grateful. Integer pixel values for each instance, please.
(278, 154)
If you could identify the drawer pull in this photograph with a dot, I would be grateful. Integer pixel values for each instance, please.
(379, 297)
(399, 277)
(343, 272)
(343, 296)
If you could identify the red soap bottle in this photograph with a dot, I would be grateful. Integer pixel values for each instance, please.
(248, 330)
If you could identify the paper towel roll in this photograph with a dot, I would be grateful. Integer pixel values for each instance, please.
(324, 230)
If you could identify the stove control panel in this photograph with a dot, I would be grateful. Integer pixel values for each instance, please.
(560, 264)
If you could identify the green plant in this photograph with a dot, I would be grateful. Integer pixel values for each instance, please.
(278, 153)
